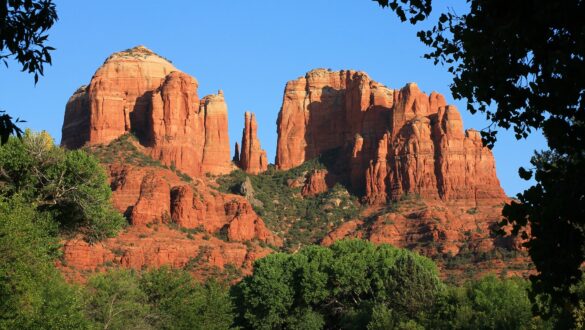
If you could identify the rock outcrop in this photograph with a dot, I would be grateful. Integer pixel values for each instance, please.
(172, 222)
(136, 91)
(141, 248)
(252, 158)
(150, 195)
(390, 142)
(424, 182)
(316, 183)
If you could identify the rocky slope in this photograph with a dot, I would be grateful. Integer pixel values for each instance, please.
(157, 139)
(172, 219)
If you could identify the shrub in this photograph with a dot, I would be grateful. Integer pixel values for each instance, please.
(70, 185)
(33, 294)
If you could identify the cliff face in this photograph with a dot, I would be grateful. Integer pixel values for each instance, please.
(140, 92)
(252, 158)
(390, 142)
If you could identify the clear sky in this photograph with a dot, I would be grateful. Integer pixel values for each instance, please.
(249, 49)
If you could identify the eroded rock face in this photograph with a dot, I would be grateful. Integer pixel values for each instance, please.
(390, 142)
(252, 158)
(163, 210)
(216, 149)
(140, 92)
(142, 248)
(150, 195)
(430, 227)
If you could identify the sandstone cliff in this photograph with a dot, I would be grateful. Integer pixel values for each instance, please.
(252, 158)
(390, 142)
(139, 92)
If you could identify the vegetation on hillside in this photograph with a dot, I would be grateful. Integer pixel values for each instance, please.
(46, 192)
(350, 285)
(124, 150)
(70, 187)
(299, 220)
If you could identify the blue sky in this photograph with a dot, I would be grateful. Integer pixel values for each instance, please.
(249, 49)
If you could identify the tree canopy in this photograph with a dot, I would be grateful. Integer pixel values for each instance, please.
(33, 294)
(339, 287)
(70, 185)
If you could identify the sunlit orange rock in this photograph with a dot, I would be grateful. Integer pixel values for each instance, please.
(389, 143)
(136, 91)
(252, 158)
(142, 248)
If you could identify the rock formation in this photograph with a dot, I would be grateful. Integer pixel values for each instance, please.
(425, 183)
(316, 183)
(136, 91)
(142, 248)
(149, 195)
(171, 223)
(390, 142)
(252, 159)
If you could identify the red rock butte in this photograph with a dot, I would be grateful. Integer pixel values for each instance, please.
(137, 91)
(390, 142)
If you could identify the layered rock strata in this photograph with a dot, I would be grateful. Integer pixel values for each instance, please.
(139, 92)
(390, 142)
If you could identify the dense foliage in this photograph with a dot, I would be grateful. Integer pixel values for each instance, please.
(522, 64)
(489, 303)
(70, 186)
(33, 295)
(337, 287)
(355, 284)
(158, 299)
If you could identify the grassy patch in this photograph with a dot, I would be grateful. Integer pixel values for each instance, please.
(124, 150)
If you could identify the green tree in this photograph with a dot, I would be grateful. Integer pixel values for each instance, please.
(70, 185)
(23, 27)
(33, 294)
(114, 300)
(522, 64)
(337, 287)
(488, 303)
(180, 302)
